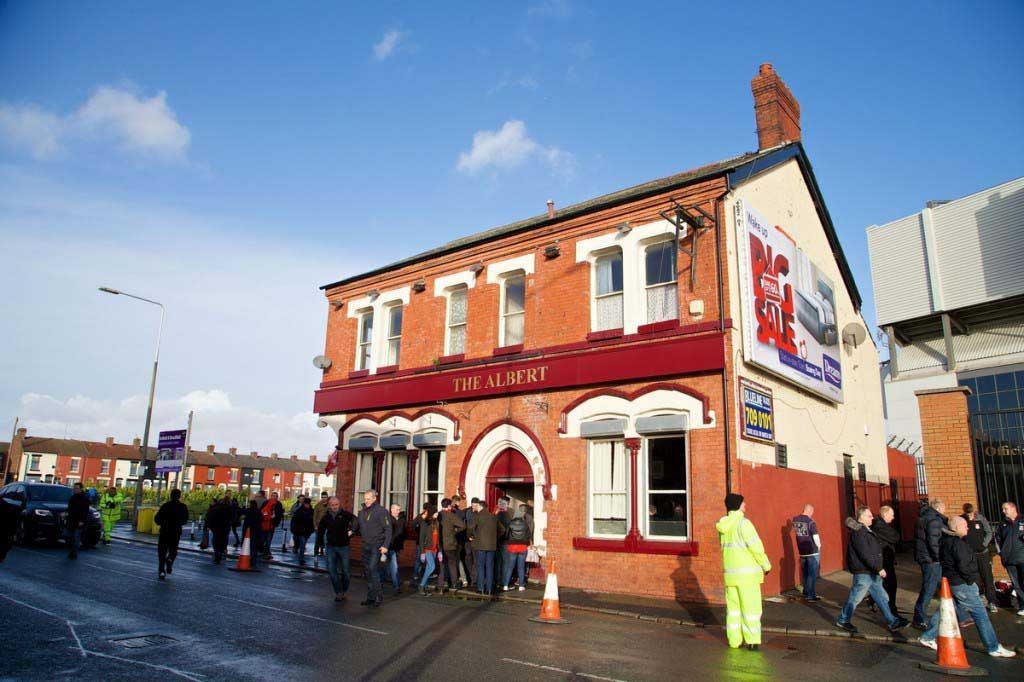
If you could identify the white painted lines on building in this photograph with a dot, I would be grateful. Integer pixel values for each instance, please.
(562, 671)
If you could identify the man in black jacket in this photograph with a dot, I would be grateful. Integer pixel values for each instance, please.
(926, 554)
(335, 528)
(864, 561)
(888, 538)
(77, 517)
(171, 516)
(959, 568)
(373, 522)
(218, 523)
(1010, 543)
(389, 571)
(979, 537)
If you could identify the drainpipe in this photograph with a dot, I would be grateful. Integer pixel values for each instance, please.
(726, 396)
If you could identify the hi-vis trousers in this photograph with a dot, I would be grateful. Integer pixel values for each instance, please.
(743, 614)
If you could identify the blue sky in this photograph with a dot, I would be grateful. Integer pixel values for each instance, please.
(228, 160)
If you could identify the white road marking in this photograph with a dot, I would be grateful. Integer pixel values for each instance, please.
(305, 615)
(195, 677)
(71, 626)
(560, 670)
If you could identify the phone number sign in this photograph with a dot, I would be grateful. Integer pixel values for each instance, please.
(757, 416)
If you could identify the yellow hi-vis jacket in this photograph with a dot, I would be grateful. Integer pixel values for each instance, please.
(743, 554)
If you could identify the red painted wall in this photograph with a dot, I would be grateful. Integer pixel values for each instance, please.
(903, 470)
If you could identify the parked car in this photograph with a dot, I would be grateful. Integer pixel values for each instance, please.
(42, 508)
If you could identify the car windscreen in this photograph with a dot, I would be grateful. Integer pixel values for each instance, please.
(49, 493)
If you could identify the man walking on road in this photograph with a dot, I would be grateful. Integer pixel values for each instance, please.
(218, 523)
(318, 514)
(334, 529)
(373, 523)
(979, 537)
(960, 569)
(77, 516)
(745, 565)
(273, 514)
(1010, 543)
(110, 511)
(926, 553)
(808, 543)
(888, 539)
(864, 561)
(450, 526)
(390, 569)
(171, 516)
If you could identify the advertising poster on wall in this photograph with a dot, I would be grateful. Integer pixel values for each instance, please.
(789, 308)
(758, 415)
(170, 451)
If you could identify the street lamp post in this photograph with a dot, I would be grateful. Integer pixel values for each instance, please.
(152, 389)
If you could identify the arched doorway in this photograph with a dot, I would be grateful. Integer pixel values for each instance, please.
(510, 475)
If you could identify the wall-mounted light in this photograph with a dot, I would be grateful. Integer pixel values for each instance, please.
(552, 251)
(624, 228)
(337, 303)
(419, 286)
(476, 268)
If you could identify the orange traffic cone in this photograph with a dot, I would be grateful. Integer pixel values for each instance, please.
(952, 658)
(549, 610)
(244, 558)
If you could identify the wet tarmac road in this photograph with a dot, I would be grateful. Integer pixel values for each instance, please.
(107, 616)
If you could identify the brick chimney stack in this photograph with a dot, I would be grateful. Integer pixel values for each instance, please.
(137, 442)
(110, 441)
(232, 451)
(776, 110)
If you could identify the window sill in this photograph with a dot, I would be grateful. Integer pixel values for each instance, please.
(635, 545)
(605, 334)
(451, 359)
(387, 369)
(664, 325)
(359, 374)
(508, 350)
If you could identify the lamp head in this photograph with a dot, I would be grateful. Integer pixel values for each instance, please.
(108, 290)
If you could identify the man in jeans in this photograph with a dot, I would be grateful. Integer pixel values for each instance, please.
(334, 528)
(1010, 543)
(808, 543)
(961, 570)
(864, 561)
(979, 537)
(373, 523)
(926, 554)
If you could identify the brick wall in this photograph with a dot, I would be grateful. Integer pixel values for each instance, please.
(945, 431)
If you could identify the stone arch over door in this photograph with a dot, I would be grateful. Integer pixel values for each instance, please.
(487, 447)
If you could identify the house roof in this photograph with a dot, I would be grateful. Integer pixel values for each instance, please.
(736, 169)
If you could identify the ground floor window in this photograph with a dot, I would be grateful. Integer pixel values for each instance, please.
(662, 485)
(397, 489)
(609, 485)
(431, 478)
(366, 478)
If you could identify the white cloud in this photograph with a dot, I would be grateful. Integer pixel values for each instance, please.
(139, 126)
(217, 421)
(508, 81)
(29, 126)
(560, 9)
(508, 148)
(388, 44)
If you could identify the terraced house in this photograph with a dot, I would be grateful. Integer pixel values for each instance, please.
(621, 364)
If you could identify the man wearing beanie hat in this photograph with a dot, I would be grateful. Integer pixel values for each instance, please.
(745, 564)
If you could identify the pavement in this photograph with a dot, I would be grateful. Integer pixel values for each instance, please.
(107, 616)
(788, 614)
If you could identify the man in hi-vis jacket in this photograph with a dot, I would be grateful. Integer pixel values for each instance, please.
(745, 566)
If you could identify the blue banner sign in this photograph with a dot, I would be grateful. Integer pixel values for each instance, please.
(758, 414)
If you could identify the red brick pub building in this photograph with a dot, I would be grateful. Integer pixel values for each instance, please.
(597, 361)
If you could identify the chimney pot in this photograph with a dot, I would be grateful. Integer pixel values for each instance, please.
(551, 208)
(233, 451)
(775, 109)
(312, 458)
(110, 440)
(22, 432)
(211, 448)
(273, 455)
(254, 454)
(137, 442)
(294, 457)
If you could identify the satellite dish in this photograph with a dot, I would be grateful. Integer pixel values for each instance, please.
(854, 334)
(321, 362)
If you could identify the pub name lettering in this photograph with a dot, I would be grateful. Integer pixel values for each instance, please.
(512, 377)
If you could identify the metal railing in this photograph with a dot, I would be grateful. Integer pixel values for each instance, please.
(998, 444)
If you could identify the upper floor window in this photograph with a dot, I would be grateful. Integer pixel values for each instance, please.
(513, 312)
(33, 462)
(365, 351)
(234, 475)
(210, 473)
(394, 334)
(297, 479)
(133, 469)
(608, 292)
(105, 466)
(660, 282)
(455, 343)
(76, 463)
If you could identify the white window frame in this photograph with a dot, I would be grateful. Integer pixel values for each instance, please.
(621, 445)
(448, 326)
(76, 465)
(393, 342)
(362, 457)
(645, 287)
(594, 296)
(644, 493)
(133, 470)
(364, 349)
(234, 476)
(376, 303)
(211, 473)
(387, 483)
(104, 467)
(503, 316)
(434, 496)
(34, 462)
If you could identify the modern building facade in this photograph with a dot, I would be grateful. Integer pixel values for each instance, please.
(68, 461)
(949, 291)
(621, 364)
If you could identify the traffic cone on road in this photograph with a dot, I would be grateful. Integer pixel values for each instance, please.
(952, 658)
(244, 557)
(549, 610)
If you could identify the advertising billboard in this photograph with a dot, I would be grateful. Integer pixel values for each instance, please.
(170, 454)
(758, 416)
(789, 308)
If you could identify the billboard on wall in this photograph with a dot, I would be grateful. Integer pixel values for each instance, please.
(789, 308)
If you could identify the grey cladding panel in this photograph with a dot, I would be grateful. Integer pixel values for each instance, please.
(397, 442)
(362, 443)
(603, 427)
(427, 440)
(666, 423)
(899, 270)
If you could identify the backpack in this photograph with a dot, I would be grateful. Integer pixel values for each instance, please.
(518, 531)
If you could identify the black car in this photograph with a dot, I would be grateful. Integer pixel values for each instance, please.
(42, 508)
